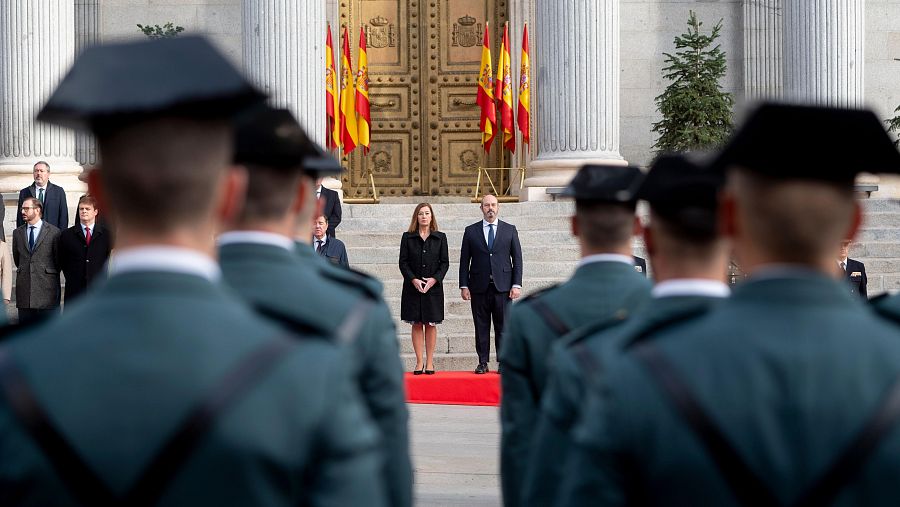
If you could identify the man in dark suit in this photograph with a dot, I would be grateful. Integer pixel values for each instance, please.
(853, 270)
(35, 252)
(52, 197)
(490, 276)
(191, 394)
(784, 394)
(83, 249)
(291, 283)
(329, 247)
(640, 265)
(331, 206)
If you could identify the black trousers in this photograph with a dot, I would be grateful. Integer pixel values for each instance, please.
(487, 307)
(34, 315)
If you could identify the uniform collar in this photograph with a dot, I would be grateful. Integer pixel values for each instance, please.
(256, 238)
(606, 258)
(164, 258)
(690, 287)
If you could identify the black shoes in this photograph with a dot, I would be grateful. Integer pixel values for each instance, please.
(482, 368)
(429, 372)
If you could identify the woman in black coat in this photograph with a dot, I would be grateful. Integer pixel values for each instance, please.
(423, 262)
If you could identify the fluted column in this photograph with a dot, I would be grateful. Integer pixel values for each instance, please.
(763, 49)
(284, 54)
(823, 52)
(87, 33)
(37, 46)
(576, 69)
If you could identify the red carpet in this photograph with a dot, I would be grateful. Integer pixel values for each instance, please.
(454, 388)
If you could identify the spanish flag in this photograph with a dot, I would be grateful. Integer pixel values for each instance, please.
(485, 97)
(504, 93)
(362, 93)
(332, 112)
(348, 100)
(525, 92)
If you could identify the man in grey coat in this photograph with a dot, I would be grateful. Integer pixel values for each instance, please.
(34, 252)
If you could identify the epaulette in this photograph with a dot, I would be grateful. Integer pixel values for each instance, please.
(538, 293)
(678, 318)
(880, 305)
(578, 335)
(879, 299)
(368, 285)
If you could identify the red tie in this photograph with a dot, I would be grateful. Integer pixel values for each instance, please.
(87, 235)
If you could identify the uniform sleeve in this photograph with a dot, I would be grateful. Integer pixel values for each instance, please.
(516, 254)
(464, 257)
(444, 261)
(551, 444)
(383, 390)
(347, 460)
(63, 210)
(344, 260)
(518, 407)
(407, 273)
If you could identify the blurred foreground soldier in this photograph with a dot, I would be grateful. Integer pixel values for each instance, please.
(853, 271)
(161, 388)
(259, 260)
(689, 260)
(605, 284)
(784, 394)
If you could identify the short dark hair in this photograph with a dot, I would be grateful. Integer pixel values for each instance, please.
(269, 193)
(603, 225)
(41, 162)
(87, 199)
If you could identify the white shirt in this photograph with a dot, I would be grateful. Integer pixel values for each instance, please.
(87, 227)
(485, 225)
(844, 262)
(316, 242)
(690, 287)
(318, 191)
(37, 230)
(606, 258)
(37, 191)
(166, 258)
(255, 238)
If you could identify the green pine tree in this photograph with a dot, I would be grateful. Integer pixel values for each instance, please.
(160, 32)
(696, 113)
(894, 126)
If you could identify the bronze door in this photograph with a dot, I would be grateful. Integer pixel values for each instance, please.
(424, 57)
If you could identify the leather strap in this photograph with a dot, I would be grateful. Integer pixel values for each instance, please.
(825, 490)
(550, 318)
(348, 332)
(84, 484)
(747, 487)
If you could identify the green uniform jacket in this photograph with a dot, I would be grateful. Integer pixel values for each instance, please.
(564, 397)
(304, 290)
(119, 371)
(596, 291)
(789, 369)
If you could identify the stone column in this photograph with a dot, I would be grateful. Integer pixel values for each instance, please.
(37, 46)
(87, 33)
(284, 54)
(575, 65)
(823, 52)
(763, 49)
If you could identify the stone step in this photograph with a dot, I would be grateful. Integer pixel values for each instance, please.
(562, 252)
(451, 362)
(457, 225)
(470, 211)
(540, 269)
(394, 286)
(376, 238)
(457, 343)
(890, 219)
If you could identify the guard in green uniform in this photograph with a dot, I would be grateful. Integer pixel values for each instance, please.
(258, 259)
(690, 262)
(787, 392)
(160, 387)
(605, 284)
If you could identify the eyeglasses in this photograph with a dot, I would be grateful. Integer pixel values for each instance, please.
(27, 208)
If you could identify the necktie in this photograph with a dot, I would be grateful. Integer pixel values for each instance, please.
(31, 238)
(41, 195)
(87, 235)
(320, 246)
(491, 237)
(844, 266)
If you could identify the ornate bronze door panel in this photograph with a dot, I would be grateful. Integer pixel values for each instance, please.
(424, 58)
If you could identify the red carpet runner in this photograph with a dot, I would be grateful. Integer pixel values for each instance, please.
(454, 388)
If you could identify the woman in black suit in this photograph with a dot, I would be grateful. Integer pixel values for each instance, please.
(423, 262)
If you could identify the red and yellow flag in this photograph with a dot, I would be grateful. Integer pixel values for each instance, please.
(524, 118)
(332, 112)
(348, 100)
(504, 93)
(485, 97)
(362, 93)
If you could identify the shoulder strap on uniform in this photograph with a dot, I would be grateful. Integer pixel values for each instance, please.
(85, 485)
(747, 487)
(349, 329)
(849, 463)
(550, 318)
(291, 322)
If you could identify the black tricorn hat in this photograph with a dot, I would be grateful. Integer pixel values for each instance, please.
(605, 183)
(273, 138)
(811, 143)
(111, 85)
(684, 192)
